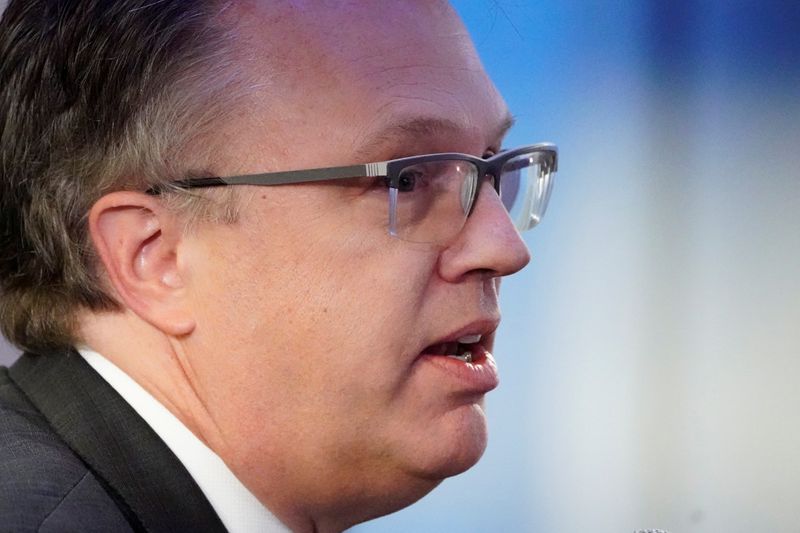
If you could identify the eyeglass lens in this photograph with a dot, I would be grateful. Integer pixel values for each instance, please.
(431, 200)
(525, 185)
(434, 198)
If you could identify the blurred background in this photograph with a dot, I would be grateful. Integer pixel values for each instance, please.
(650, 354)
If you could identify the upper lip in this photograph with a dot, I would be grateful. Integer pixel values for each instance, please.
(484, 327)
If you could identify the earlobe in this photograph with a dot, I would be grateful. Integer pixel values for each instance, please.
(137, 240)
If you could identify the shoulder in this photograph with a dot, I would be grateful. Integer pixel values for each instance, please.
(43, 484)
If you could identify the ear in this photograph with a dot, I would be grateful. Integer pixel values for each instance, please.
(138, 240)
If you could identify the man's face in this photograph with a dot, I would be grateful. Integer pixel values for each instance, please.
(312, 322)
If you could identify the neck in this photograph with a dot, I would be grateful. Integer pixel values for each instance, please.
(158, 364)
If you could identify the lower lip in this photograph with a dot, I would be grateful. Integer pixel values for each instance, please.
(479, 376)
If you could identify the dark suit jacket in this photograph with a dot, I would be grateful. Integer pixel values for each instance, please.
(74, 456)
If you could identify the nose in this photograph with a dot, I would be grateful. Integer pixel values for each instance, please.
(489, 244)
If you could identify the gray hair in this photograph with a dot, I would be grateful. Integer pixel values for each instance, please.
(95, 96)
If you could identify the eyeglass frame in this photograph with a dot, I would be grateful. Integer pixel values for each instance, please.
(389, 170)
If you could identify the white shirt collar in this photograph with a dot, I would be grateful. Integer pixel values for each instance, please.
(238, 509)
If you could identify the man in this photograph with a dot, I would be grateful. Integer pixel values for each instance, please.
(217, 336)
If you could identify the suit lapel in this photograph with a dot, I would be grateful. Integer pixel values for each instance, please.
(100, 426)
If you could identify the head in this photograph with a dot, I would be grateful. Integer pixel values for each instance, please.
(306, 331)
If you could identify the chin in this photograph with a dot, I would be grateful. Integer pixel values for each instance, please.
(456, 445)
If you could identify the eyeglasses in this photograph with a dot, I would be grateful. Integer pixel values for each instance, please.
(431, 196)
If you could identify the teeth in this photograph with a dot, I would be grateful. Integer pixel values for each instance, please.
(466, 357)
(469, 339)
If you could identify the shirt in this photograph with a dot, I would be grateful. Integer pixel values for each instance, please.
(238, 509)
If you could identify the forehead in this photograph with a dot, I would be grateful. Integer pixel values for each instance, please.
(361, 68)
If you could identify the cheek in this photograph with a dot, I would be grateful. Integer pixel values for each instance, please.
(320, 319)
(331, 306)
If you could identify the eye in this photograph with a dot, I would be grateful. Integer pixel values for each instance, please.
(408, 180)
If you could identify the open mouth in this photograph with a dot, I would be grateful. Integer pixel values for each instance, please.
(461, 349)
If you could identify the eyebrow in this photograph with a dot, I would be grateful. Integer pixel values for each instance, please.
(423, 127)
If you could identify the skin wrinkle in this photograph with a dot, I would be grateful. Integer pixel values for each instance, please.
(455, 36)
(210, 433)
(436, 68)
(441, 91)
